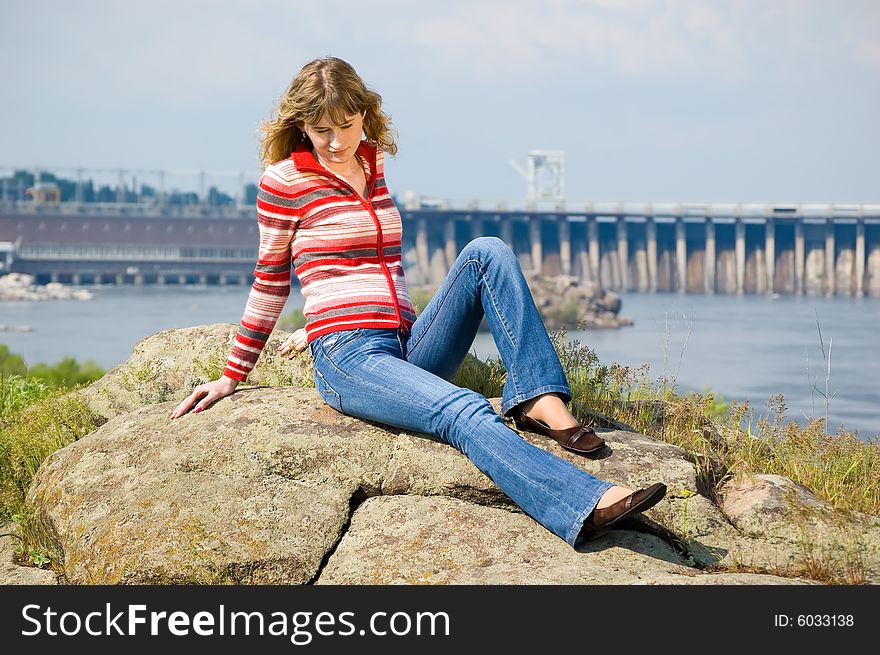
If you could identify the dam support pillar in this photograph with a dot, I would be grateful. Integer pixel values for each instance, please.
(565, 245)
(740, 256)
(450, 246)
(799, 257)
(593, 237)
(681, 255)
(651, 246)
(860, 258)
(770, 251)
(422, 246)
(477, 229)
(623, 253)
(829, 258)
(709, 265)
(507, 231)
(535, 241)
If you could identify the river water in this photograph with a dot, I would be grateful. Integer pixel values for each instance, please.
(742, 347)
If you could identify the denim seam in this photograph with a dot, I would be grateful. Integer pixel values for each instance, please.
(533, 393)
(510, 466)
(341, 339)
(329, 387)
(572, 535)
(511, 372)
(495, 304)
(530, 482)
(366, 382)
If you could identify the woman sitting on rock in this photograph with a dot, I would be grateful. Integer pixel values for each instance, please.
(324, 208)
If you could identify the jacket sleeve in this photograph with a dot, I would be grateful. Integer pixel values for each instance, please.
(277, 219)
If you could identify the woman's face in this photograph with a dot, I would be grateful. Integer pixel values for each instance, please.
(334, 144)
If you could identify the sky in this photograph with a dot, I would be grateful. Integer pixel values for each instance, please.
(664, 101)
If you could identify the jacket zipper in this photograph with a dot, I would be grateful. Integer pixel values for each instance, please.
(380, 250)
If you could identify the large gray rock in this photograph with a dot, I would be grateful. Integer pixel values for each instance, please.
(270, 485)
(167, 362)
(418, 540)
(801, 528)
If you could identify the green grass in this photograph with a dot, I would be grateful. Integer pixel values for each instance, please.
(38, 415)
(32, 434)
(293, 320)
(16, 393)
(65, 373)
(420, 297)
(486, 377)
(37, 421)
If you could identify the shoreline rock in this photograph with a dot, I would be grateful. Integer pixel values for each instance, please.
(20, 286)
(567, 301)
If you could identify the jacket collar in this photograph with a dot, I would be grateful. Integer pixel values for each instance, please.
(304, 160)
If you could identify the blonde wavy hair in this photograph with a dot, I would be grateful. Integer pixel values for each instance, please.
(328, 85)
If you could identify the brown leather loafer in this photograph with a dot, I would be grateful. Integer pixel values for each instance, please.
(637, 501)
(579, 439)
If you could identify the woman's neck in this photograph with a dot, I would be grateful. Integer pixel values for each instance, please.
(353, 167)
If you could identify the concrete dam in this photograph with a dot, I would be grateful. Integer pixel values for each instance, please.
(816, 249)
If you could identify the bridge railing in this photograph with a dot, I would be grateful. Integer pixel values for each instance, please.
(146, 209)
(676, 209)
(601, 208)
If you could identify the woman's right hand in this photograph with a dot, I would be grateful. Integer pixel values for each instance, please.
(293, 344)
(205, 395)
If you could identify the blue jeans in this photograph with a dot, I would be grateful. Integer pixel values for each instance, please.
(402, 380)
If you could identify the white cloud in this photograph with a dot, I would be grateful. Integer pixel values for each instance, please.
(868, 54)
(637, 40)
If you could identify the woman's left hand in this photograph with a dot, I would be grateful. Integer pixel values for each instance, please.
(293, 344)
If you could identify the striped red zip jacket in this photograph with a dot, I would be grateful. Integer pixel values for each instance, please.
(345, 251)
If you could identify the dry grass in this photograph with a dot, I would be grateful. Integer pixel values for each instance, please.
(30, 436)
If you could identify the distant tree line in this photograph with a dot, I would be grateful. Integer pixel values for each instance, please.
(15, 187)
(67, 372)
